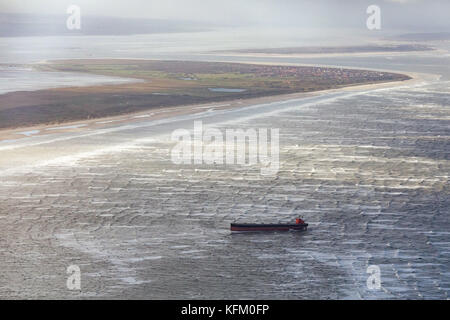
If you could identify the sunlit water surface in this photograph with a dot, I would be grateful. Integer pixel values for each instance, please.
(368, 170)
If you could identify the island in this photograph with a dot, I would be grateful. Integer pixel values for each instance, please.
(166, 84)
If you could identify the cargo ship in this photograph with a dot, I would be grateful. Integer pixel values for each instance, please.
(299, 225)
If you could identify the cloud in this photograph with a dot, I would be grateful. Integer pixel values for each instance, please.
(403, 1)
(401, 14)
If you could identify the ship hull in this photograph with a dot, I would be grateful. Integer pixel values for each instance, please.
(244, 227)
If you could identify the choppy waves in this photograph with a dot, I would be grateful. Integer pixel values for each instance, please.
(369, 172)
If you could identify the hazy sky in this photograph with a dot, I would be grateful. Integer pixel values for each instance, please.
(414, 15)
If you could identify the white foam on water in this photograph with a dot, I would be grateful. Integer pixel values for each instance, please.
(29, 133)
(75, 126)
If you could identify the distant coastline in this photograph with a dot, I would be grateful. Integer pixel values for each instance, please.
(337, 49)
(40, 25)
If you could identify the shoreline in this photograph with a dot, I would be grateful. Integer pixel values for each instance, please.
(27, 132)
(322, 55)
